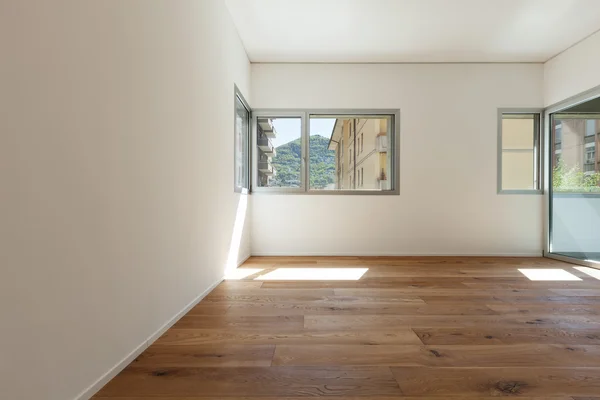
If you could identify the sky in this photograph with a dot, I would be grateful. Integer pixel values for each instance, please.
(289, 129)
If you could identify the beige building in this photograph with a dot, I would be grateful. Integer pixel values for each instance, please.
(361, 153)
(576, 141)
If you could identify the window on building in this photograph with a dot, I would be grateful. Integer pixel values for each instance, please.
(590, 127)
(362, 142)
(558, 133)
(591, 154)
(590, 158)
(362, 177)
(241, 170)
(310, 155)
(519, 151)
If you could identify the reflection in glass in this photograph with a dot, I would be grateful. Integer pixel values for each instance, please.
(242, 117)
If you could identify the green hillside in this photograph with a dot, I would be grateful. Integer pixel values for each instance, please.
(287, 163)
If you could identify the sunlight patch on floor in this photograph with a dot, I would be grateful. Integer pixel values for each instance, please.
(241, 273)
(593, 272)
(313, 274)
(554, 274)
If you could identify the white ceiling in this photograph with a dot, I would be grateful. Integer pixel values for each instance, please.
(412, 30)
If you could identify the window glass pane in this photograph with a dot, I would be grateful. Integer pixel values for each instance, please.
(279, 152)
(576, 167)
(241, 137)
(575, 199)
(519, 133)
(350, 152)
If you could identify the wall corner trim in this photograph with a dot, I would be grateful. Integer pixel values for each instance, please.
(117, 368)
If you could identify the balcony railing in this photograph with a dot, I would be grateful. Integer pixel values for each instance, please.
(266, 146)
(267, 127)
(266, 167)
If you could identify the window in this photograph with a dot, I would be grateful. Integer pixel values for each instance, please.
(590, 127)
(362, 143)
(241, 170)
(558, 133)
(519, 151)
(316, 152)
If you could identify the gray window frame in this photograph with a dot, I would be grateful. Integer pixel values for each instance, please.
(537, 150)
(305, 114)
(237, 95)
(549, 113)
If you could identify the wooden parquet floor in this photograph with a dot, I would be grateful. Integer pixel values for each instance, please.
(454, 328)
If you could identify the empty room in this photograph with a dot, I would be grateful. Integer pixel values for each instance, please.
(289, 199)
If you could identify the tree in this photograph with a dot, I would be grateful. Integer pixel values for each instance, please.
(574, 180)
(288, 163)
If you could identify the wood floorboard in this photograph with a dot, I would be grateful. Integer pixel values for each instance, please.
(402, 397)
(212, 355)
(369, 322)
(185, 337)
(520, 355)
(259, 381)
(562, 309)
(341, 308)
(508, 382)
(412, 328)
(483, 335)
(255, 322)
(519, 299)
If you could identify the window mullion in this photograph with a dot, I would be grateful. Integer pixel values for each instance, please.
(306, 150)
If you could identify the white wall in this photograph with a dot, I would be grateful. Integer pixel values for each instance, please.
(573, 71)
(448, 202)
(116, 172)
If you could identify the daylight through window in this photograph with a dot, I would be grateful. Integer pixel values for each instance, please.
(321, 153)
(519, 152)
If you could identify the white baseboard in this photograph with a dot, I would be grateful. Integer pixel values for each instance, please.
(390, 254)
(114, 371)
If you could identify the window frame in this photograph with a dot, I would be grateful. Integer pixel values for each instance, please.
(305, 115)
(277, 114)
(537, 150)
(237, 95)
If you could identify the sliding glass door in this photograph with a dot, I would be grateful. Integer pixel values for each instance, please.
(574, 186)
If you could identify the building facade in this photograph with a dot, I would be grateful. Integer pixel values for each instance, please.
(265, 151)
(361, 153)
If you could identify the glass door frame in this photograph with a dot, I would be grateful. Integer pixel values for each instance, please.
(547, 157)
